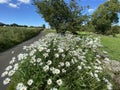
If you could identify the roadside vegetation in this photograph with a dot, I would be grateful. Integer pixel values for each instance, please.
(59, 62)
(11, 36)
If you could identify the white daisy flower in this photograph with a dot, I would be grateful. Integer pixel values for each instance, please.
(56, 71)
(45, 54)
(12, 61)
(63, 70)
(53, 89)
(79, 67)
(19, 86)
(67, 64)
(52, 68)
(59, 82)
(41, 63)
(4, 74)
(57, 55)
(46, 67)
(11, 73)
(6, 81)
(30, 82)
(63, 55)
(109, 86)
(49, 81)
(91, 74)
(62, 63)
(16, 66)
(49, 62)
(96, 75)
(40, 48)
(60, 50)
(23, 88)
(48, 50)
(8, 68)
(38, 60)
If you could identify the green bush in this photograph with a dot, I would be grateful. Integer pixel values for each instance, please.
(116, 29)
(59, 63)
(113, 30)
(10, 36)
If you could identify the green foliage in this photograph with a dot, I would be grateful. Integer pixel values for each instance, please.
(89, 27)
(61, 15)
(10, 36)
(105, 16)
(113, 30)
(116, 29)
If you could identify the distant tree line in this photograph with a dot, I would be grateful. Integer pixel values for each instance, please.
(17, 25)
(12, 25)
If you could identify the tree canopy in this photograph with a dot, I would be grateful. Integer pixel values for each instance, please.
(61, 15)
(106, 15)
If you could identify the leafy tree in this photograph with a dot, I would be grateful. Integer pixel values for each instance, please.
(105, 16)
(61, 15)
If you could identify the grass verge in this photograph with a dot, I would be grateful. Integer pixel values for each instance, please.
(49, 31)
(112, 46)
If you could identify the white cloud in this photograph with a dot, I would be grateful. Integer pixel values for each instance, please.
(4, 1)
(91, 10)
(13, 5)
(24, 1)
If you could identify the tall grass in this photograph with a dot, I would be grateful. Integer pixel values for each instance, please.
(10, 36)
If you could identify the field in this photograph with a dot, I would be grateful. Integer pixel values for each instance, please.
(11, 36)
(49, 31)
(112, 46)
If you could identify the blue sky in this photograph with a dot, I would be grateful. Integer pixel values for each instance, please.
(24, 13)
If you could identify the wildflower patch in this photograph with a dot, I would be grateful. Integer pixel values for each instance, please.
(59, 62)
